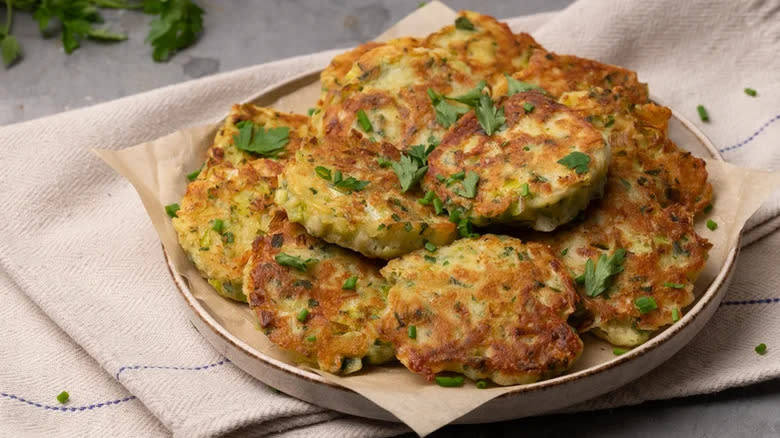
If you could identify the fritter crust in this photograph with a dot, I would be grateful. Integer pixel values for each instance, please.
(521, 181)
(490, 308)
(379, 220)
(309, 311)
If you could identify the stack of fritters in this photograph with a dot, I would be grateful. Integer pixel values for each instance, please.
(416, 151)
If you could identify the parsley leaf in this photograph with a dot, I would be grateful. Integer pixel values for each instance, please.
(469, 185)
(471, 97)
(264, 142)
(490, 118)
(178, 26)
(293, 261)
(514, 86)
(597, 276)
(409, 171)
(76, 19)
(420, 153)
(11, 50)
(350, 183)
(446, 113)
(645, 304)
(463, 23)
(576, 161)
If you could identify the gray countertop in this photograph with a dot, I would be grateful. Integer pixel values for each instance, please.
(241, 33)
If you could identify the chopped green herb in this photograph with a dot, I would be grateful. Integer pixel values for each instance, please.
(463, 23)
(302, 315)
(323, 172)
(712, 225)
(269, 142)
(408, 227)
(490, 118)
(675, 314)
(576, 161)
(525, 191)
(409, 171)
(446, 113)
(703, 114)
(674, 285)
(429, 258)
(751, 92)
(420, 153)
(218, 225)
(311, 111)
(412, 332)
(457, 176)
(383, 162)
(365, 124)
(469, 185)
(708, 208)
(618, 351)
(760, 349)
(514, 86)
(564, 251)
(481, 384)
(194, 174)
(293, 261)
(431, 247)
(645, 304)
(438, 206)
(350, 283)
(449, 382)
(610, 121)
(63, 397)
(528, 107)
(171, 209)
(350, 183)
(311, 338)
(471, 97)
(597, 276)
(428, 198)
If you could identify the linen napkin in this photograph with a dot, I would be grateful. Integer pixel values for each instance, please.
(78, 245)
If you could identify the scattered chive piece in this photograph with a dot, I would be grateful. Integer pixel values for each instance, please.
(218, 225)
(703, 114)
(365, 124)
(430, 247)
(751, 92)
(412, 332)
(193, 175)
(675, 314)
(674, 285)
(528, 107)
(564, 252)
(63, 397)
(311, 338)
(645, 304)
(482, 384)
(427, 199)
(302, 315)
(171, 209)
(383, 162)
(712, 225)
(293, 261)
(449, 382)
(525, 191)
(463, 23)
(229, 237)
(350, 283)
(760, 349)
(438, 205)
(708, 208)
(618, 351)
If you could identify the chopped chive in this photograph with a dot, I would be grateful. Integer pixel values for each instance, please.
(302, 315)
(708, 208)
(438, 206)
(645, 304)
(293, 261)
(171, 209)
(703, 114)
(528, 107)
(675, 314)
(193, 175)
(350, 283)
(449, 382)
(751, 92)
(412, 332)
(674, 285)
(618, 351)
(365, 124)
(760, 349)
(311, 338)
(229, 237)
(712, 225)
(525, 191)
(481, 384)
(429, 258)
(218, 225)
(63, 397)
(427, 199)
(383, 162)
(463, 23)
(430, 247)
(564, 251)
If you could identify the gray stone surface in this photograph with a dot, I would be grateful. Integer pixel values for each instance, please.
(241, 33)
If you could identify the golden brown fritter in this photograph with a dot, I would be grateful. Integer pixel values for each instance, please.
(342, 193)
(522, 178)
(316, 299)
(490, 308)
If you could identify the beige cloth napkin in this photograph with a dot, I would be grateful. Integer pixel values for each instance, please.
(91, 309)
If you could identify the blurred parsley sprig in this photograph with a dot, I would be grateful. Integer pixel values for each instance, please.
(178, 24)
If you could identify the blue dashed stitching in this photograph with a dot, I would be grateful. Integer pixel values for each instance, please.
(156, 367)
(755, 134)
(65, 408)
(746, 302)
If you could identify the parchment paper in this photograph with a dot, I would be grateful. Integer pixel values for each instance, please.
(157, 170)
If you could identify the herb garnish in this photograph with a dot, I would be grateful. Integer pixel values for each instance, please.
(293, 261)
(350, 283)
(463, 23)
(645, 304)
(268, 143)
(703, 114)
(171, 209)
(350, 183)
(446, 113)
(598, 275)
(514, 86)
(751, 92)
(469, 185)
(490, 118)
(365, 124)
(576, 161)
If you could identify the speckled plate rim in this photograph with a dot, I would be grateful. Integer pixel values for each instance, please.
(221, 338)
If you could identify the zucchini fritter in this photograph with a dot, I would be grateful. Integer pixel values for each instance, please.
(316, 299)
(524, 177)
(490, 308)
(228, 204)
(341, 193)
